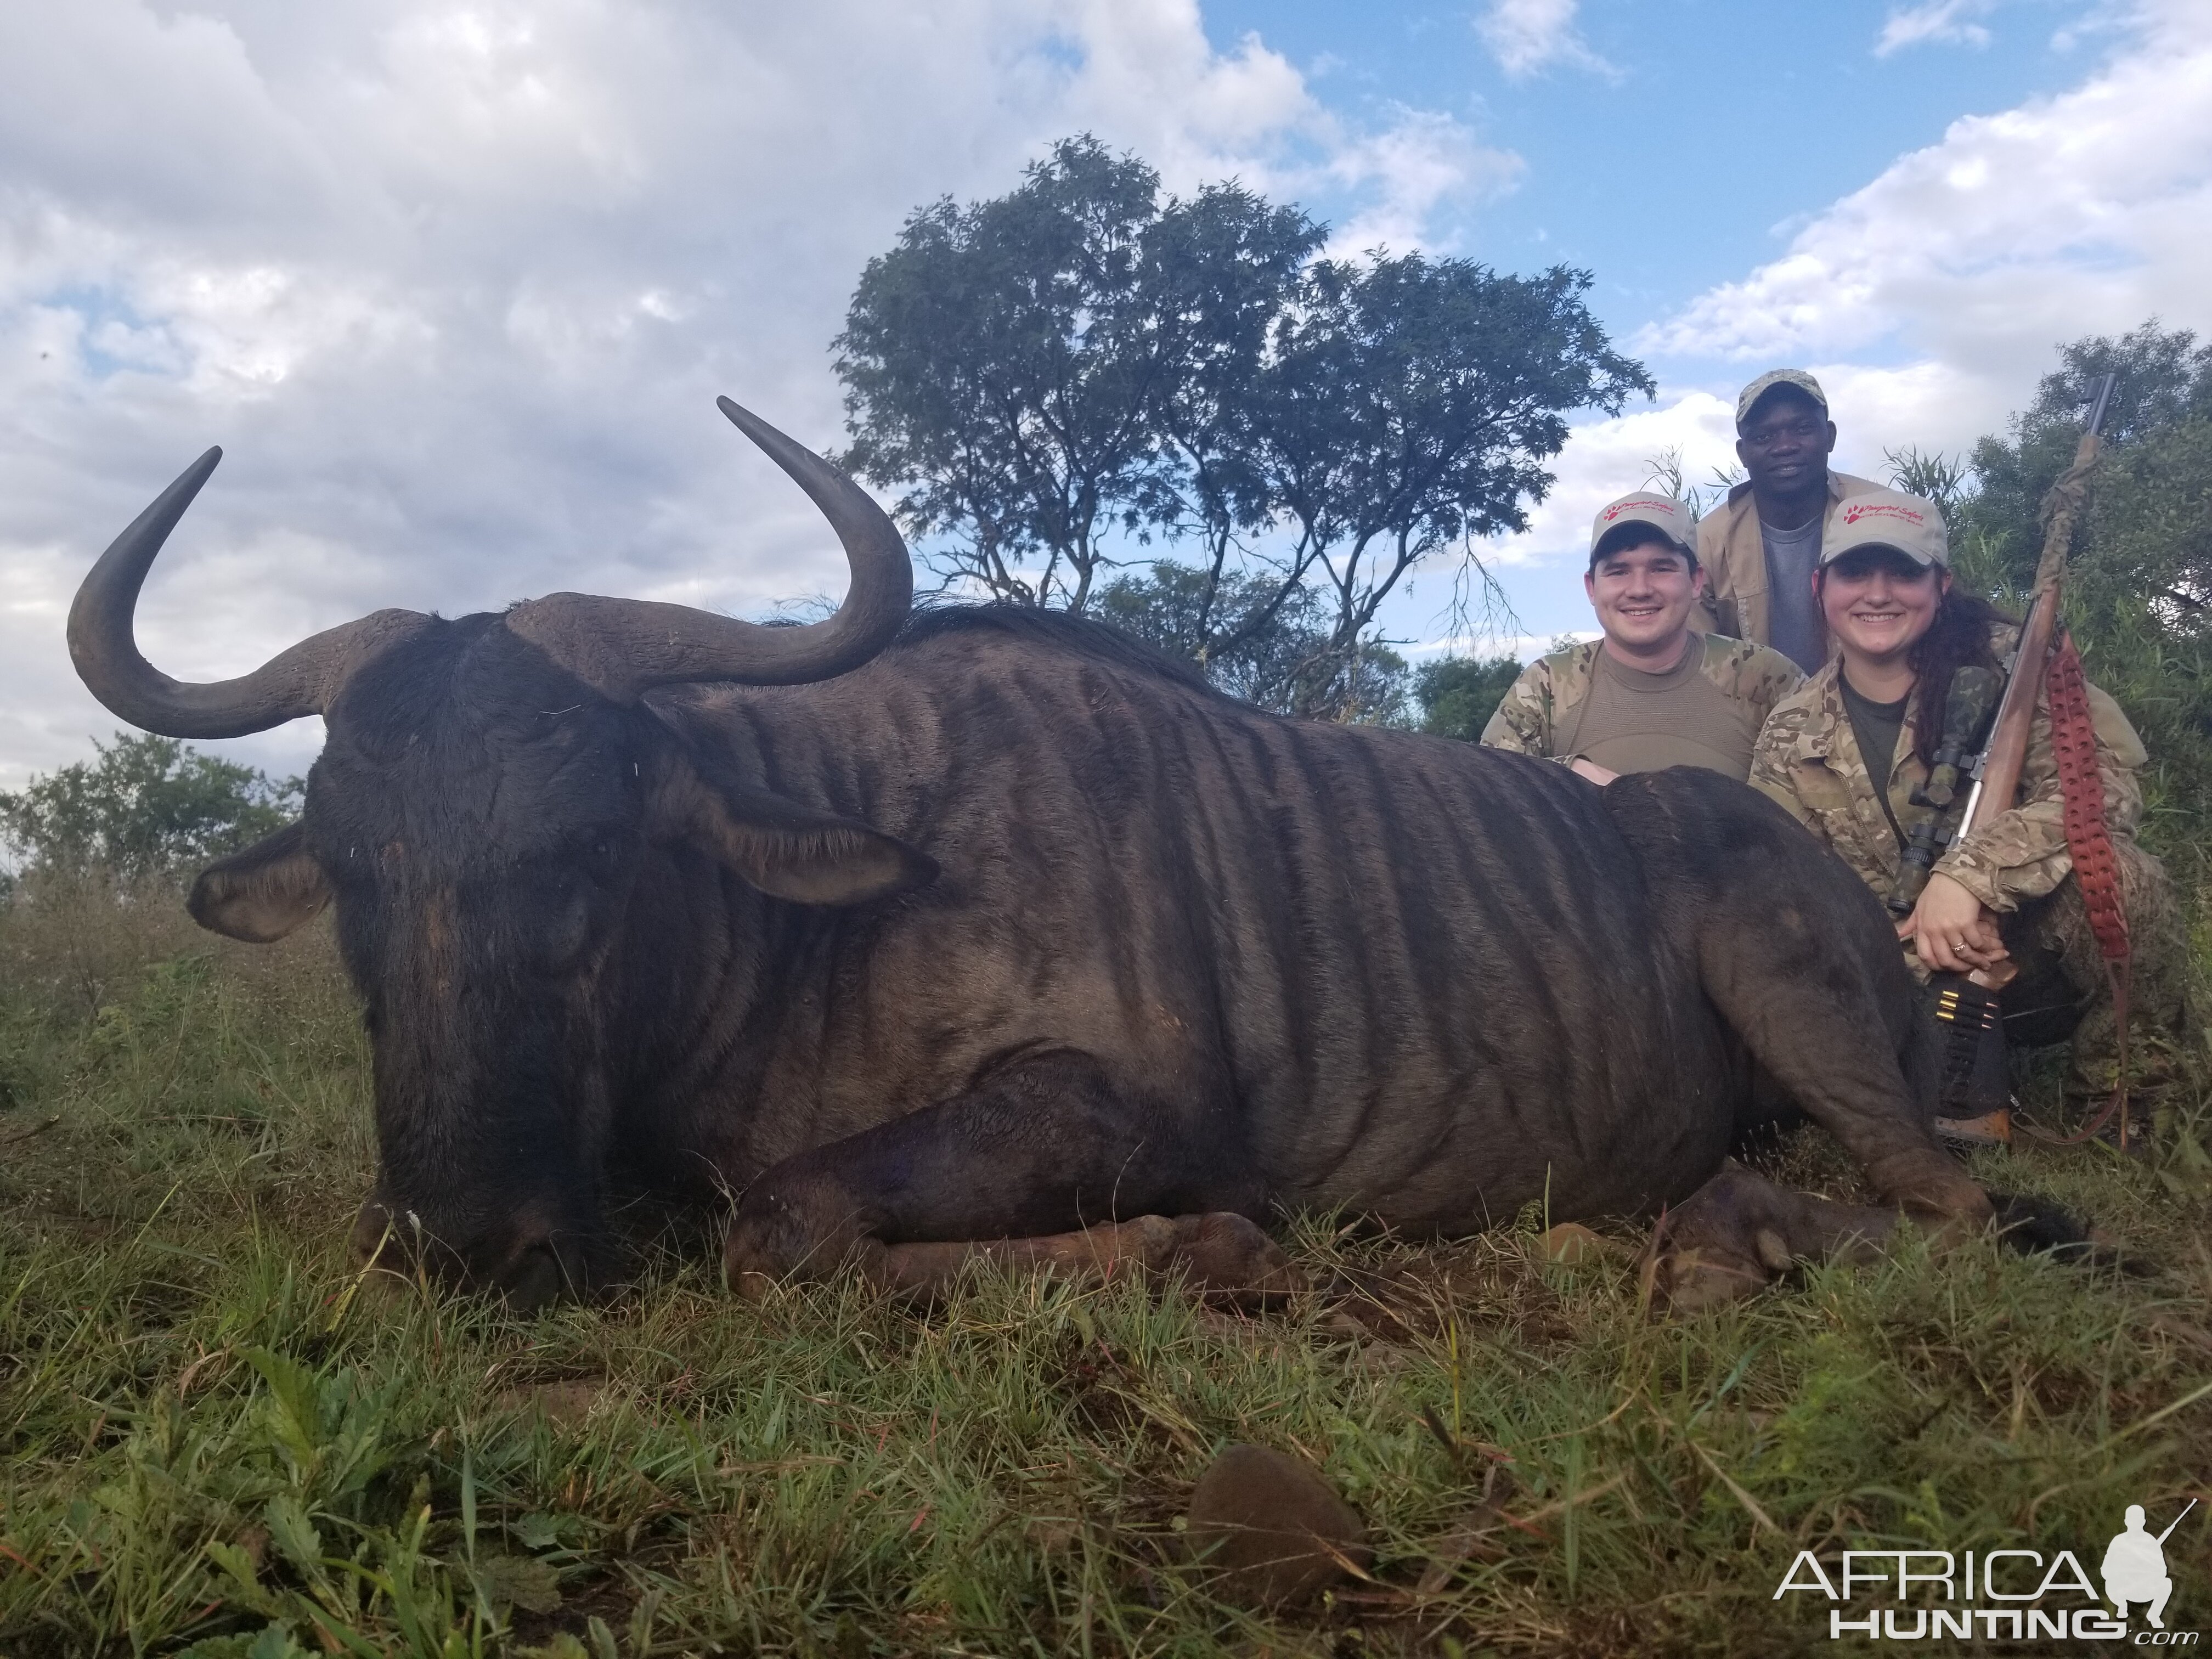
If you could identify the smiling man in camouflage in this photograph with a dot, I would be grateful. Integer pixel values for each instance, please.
(1650, 691)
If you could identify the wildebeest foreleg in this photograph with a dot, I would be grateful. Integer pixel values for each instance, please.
(1040, 1147)
(1805, 1004)
(1799, 959)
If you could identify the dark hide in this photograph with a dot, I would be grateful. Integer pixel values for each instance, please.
(1019, 927)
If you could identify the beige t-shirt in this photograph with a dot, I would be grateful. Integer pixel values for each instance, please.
(1632, 721)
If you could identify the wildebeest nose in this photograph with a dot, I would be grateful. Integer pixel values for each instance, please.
(533, 1279)
(529, 1268)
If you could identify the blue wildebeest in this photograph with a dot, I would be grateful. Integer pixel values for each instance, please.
(991, 924)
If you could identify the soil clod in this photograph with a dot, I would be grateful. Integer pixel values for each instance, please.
(1274, 1530)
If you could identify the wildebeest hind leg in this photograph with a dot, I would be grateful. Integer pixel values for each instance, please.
(1041, 1147)
(1219, 1252)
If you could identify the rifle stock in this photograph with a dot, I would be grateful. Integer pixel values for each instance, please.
(2007, 754)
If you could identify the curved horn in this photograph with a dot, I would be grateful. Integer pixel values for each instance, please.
(299, 680)
(624, 647)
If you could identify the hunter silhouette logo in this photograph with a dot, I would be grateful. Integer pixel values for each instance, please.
(2009, 1595)
(2135, 1566)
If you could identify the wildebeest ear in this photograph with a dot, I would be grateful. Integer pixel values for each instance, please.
(786, 850)
(262, 893)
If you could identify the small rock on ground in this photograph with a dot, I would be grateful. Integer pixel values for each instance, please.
(1571, 1245)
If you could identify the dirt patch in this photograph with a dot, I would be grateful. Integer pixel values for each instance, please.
(1412, 1299)
(565, 1404)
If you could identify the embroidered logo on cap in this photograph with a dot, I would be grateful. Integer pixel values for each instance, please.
(1853, 512)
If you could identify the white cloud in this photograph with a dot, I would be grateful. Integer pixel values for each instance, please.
(1421, 163)
(1608, 458)
(455, 286)
(1526, 36)
(1521, 647)
(1963, 263)
(1947, 21)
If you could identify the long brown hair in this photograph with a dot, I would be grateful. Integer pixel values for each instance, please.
(1958, 635)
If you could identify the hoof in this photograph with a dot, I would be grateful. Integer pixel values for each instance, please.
(1937, 1194)
(1275, 1533)
(1739, 1233)
(754, 1275)
(1690, 1280)
(378, 1235)
(771, 1239)
(1227, 1256)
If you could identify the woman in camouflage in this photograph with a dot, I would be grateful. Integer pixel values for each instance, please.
(1844, 754)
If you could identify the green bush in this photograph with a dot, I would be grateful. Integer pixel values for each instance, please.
(148, 806)
(2139, 584)
(1458, 695)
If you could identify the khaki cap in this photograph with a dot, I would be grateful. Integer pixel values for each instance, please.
(1887, 518)
(1773, 378)
(1670, 517)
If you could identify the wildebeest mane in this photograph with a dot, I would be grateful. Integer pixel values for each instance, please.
(1101, 642)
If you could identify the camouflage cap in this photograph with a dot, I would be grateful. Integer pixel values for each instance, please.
(1887, 518)
(1670, 517)
(1774, 377)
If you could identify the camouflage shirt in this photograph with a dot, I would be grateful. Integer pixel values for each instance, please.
(1539, 715)
(1808, 760)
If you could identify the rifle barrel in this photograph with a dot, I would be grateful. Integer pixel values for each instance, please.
(2177, 1520)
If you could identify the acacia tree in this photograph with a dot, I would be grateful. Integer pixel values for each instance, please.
(1256, 639)
(1410, 403)
(1223, 266)
(2164, 381)
(1077, 364)
(1002, 363)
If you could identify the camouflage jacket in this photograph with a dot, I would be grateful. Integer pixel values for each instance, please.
(1808, 760)
(1538, 711)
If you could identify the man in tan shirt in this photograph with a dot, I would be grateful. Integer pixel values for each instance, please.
(1651, 691)
(1759, 547)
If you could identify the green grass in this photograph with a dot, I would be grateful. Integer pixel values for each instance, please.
(214, 1438)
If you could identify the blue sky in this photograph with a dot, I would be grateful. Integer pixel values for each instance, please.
(1711, 124)
(455, 282)
(1669, 149)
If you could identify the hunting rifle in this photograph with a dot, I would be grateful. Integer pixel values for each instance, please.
(1988, 714)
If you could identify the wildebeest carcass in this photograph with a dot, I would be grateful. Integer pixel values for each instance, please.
(990, 925)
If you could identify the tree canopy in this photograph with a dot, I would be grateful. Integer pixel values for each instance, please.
(2139, 587)
(1085, 363)
(1279, 653)
(2164, 385)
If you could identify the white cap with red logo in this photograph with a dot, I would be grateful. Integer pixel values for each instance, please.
(1887, 518)
(1670, 517)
